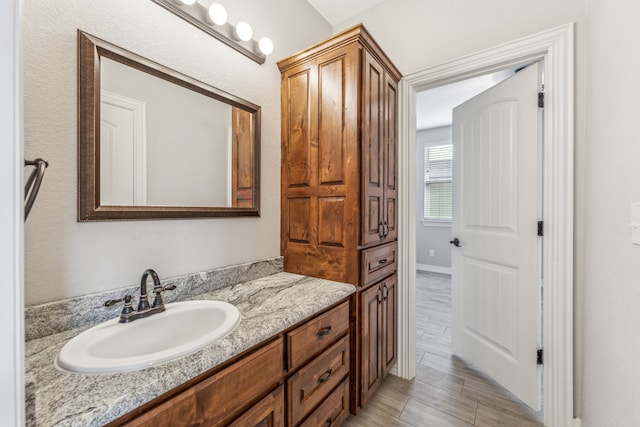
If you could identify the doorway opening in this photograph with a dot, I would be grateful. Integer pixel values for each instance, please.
(475, 354)
(555, 47)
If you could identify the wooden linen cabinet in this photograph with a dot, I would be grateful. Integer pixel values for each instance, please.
(339, 186)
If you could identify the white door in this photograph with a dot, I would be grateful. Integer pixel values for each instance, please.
(496, 281)
(123, 159)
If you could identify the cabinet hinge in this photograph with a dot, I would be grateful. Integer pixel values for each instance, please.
(539, 356)
(540, 99)
(540, 228)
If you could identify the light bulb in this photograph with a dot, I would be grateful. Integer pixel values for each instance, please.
(218, 14)
(244, 31)
(266, 45)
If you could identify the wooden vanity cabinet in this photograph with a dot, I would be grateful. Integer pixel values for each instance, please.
(300, 378)
(235, 391)
(339, 178)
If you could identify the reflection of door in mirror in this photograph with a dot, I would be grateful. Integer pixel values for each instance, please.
(188, 143)
(123, 140)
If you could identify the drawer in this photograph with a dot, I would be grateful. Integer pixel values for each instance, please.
(316, 335)
(269, 412)
(333, 411)
(311, 384)
(378, 262)
(224, 395)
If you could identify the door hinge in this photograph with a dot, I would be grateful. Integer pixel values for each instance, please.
(540, 228)
(539, 356)
(540, 99)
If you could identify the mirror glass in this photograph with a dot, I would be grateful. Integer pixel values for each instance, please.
(154, 143)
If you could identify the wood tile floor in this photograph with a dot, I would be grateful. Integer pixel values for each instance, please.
(447, 392)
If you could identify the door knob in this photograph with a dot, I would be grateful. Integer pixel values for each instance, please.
(455, 242)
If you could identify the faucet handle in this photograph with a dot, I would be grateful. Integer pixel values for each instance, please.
(110, 302)
(126, 310)
(157, 301)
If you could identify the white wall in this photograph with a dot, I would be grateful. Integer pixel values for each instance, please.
(611, 372)
(430, 236)
(65, 258)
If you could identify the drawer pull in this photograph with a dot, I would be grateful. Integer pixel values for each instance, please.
(383, 261)
(325, 377)
(329, 422)
(324, 331)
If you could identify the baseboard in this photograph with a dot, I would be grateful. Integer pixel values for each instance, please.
(433, 268)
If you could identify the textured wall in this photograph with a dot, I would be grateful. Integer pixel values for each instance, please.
(65, 258)
(611, 262)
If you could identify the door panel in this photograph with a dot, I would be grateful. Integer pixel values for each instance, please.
(496, 270)
(389, 316)
(370, 336)
(372, 150)
(390, 149)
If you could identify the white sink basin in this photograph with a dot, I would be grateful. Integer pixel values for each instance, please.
(183, 328)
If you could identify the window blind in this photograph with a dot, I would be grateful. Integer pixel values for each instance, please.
(438, 189)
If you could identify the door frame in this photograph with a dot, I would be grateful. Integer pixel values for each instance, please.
(11, 216)
(556, 48)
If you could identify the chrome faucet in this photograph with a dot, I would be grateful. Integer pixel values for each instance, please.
(128, 314)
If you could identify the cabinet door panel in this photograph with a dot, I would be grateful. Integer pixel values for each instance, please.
(298, 116)
(389, 326)
(370, 334)
(372, 150)
(390, 149)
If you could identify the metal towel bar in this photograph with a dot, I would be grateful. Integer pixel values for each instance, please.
(32, 186)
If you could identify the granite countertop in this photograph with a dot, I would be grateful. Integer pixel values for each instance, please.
(267, 305)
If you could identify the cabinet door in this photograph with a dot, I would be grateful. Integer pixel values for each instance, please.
(379, 153)
(372, 150)
(389, 318)
(371, 345)
(390, 151)
(320, 166)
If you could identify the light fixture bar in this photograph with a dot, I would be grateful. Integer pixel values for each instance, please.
(225, 33)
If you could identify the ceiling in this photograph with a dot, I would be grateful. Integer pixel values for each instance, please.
(337, 11)
(433, 106)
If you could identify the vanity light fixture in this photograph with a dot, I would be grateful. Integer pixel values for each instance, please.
(218, 14)
(244, 31)
(265, 45)
(212, 19)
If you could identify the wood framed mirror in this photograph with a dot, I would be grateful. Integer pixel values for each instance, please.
(154, 143)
